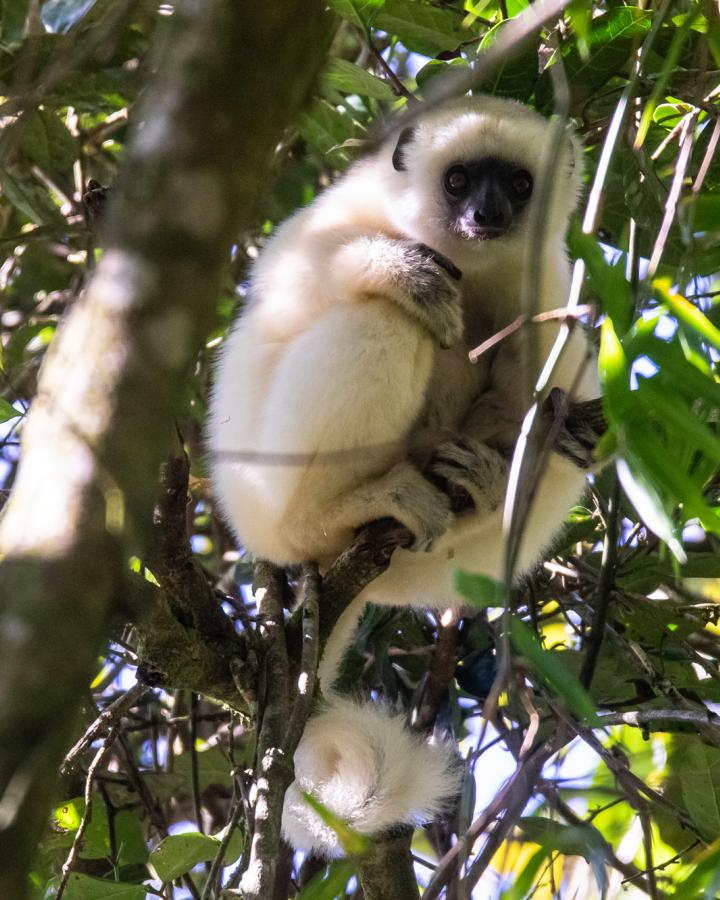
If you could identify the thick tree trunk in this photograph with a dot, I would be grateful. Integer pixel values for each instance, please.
(230, 79)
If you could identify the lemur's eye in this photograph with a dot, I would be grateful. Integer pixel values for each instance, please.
(522, 184)
(457, 180)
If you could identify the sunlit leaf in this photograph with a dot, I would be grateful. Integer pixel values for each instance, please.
(607, 280)
(8, 411)
(326, 129)
(687, 313)
(614, 373)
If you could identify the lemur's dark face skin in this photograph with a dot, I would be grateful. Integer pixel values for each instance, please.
(485, 196)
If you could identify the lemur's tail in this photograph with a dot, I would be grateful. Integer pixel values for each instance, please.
(362, 763)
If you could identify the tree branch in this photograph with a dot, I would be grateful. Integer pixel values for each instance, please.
(186, 637)
(387, 871)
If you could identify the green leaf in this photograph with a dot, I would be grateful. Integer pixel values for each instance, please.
(676, 373)
(700, 783)
(614, 373)
(326, 129)
(480, 591)
(425, 29)
(348, 78)
(571, 840)
(32, 139)
(517, 75)
(579, 13)
(644, 574)
(674, 413)
(179, 853)
(95, 843)
(687, 313)
(703, 882)
(359, 12)
(651, 457)
(129, 839)
(30, 197)
(83, 887)
(705, 212)
(670, 62)
(8, 411)
(62, 146)
(549, 666)
(609, 44)
(331, 884)
(436, 67)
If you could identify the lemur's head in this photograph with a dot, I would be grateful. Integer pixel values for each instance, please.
(464, 178)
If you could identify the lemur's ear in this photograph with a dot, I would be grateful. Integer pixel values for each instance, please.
(398, 157)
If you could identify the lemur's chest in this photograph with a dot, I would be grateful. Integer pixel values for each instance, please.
(454, 383)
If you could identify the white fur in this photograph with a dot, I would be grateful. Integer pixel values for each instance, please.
(329, 388)
(354, 759)
(326, 381)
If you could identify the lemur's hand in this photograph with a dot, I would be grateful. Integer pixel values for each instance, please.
(431, 282)
(577, 426)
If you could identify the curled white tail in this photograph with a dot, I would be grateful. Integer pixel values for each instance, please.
(362, 763)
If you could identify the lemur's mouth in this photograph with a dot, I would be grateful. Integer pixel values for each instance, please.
(488, 232)
(482, 232)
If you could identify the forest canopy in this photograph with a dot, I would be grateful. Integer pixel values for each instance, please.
(148, 153)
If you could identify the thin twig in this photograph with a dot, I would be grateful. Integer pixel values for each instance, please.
(307, 678)
(87, 812)
(562, 314)
(681, 167)
(625, 777)
(273, 771)
(521, 783)
(516, 802)
(641, 718)
(439, 675)
(605, 586)
(110, 716)
(194, 769)
(238, 811)
(552, 795)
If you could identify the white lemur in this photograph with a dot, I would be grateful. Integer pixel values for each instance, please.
(345, 395)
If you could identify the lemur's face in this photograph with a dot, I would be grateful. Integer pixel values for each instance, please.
(485, 196)
(464, 180)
